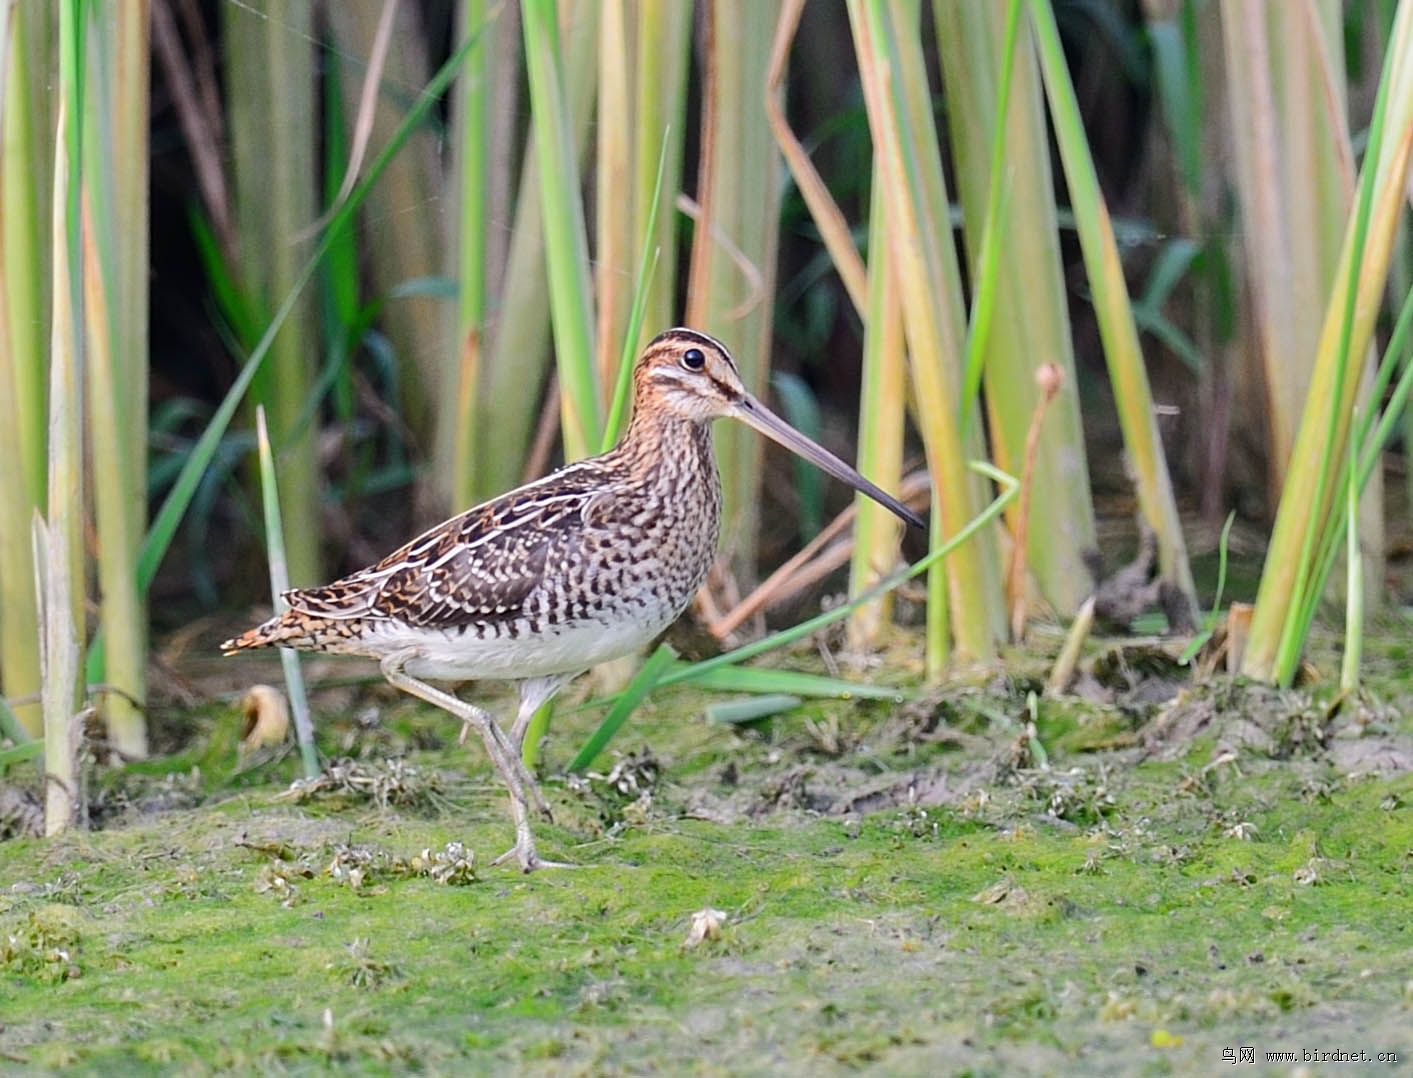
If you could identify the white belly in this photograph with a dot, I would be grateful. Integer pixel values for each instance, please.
(443, 656)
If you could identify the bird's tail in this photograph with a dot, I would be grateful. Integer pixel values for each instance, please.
(297, 628)
(289, 630)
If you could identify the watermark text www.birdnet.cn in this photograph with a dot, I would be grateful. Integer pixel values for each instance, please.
(1249, 1054)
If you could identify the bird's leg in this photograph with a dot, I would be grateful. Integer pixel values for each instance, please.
(511, 771)
(534, 694)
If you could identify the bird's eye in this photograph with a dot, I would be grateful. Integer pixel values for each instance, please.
(694, 359)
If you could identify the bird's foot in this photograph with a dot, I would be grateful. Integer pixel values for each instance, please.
(529, 858)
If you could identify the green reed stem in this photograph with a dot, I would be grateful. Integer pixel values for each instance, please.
(279, 584)
(566, 237)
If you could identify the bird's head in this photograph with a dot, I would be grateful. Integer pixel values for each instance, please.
(688, 375)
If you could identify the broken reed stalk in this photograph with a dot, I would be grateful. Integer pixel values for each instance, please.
(1049, 378)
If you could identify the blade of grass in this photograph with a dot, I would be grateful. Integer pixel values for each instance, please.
(10, 725)
(793, 683)
(1354, 585)
(279, 584)
(642, 286)
(18, 754)
(741, 712)
(693, 672)
(627, 703)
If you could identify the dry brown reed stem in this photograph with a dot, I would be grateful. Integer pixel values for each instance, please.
(367, 108)
(755, 283)
(1050, 378)
(828, 218)
(201, 126)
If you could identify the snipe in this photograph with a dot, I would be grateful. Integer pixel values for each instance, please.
(538, 585)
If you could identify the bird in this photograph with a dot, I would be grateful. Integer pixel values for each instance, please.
(585, 565)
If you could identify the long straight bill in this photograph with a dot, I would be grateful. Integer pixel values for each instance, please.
(754, 414)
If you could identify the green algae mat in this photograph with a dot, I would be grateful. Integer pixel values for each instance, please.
(978, 882)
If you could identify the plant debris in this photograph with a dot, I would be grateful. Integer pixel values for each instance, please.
(383, 782)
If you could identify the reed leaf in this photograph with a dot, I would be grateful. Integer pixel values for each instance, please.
(115, 242)
(882, 406)
(834, 230)
(1293, 577)
(404, 226)
(345, 319)
(1001, 149)
(647, 262)
(566, 237)
(793, 682)
(614, 206)
(23, 315)
(11, 728)
(169, 516)
(752, 709)
(473, 171)
(731, 283)
(1354, 585)
(507, 399)
(1282, 182)
(964, 601)
(642, 684)
(25, 169)
(18, 754)
(270, 104)
(126, 31)
(1295, 186)
(661, 47)
(1112, 308)
(58, 539)
(279, 584)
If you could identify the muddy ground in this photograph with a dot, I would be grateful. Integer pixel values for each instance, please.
(1146, 877)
